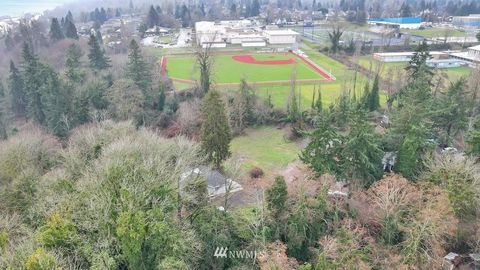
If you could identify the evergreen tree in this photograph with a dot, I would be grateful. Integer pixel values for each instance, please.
(2, 89)
(323, 151)
(72, 64)
(153, 18)
(56, 102)
(318, 102)
(103, 15)
(161, 97)
(233, 10)
(71, 30)
(202, 10)
(248, 9)
(159, 10)
(314, 92)
(276, 196)
(3, 112)
(335, 37)
(419, 62)
(255, 10)
(473, 140)
(17, 91)
(130, 6)
(365, 99)
(142, 28)
(9, 43)
(411, 150)
(341, 110)
(98, 60)
(34, 80)
(374, 96)
(293, 109)
(69, 17)
(361, 155)
(137, 69)
(98, 35)
(216, 135)
(185, 16)
(405, 10)
(56, 32)
(451, 114)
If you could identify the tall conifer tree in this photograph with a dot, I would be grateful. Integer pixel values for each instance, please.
(137, 69)
(216, 134)
(98, 60)
(56, 32)
(17, 91)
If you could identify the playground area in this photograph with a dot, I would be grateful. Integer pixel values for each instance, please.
(254, 67)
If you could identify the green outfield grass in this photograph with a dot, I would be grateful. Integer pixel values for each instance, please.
(279, 94)
(227, 70)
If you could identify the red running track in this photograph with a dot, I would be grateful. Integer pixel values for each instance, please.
(319, 70)
(251, 60)
(163, 65)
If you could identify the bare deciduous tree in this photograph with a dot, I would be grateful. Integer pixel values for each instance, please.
(205, 61)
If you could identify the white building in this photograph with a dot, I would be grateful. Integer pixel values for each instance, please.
(281, 36)
(474, 52)
(242, 32)
(472, 55)
(209, 33)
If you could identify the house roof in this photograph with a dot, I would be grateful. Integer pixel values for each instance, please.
(281, 32)
(214, 178)
(402, 20)
(217, 183)
(476, 48)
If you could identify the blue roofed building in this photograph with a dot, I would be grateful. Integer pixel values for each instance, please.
(404, 22)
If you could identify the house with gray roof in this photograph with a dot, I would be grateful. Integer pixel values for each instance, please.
(217, 184)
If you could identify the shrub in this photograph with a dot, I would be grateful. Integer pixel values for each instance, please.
(171, 263)
(460, 178)
(3, 239)
(189, 118)
(256, 172)
(41, 260)
(86, 143)
(57, 232)
(23, 159)
(30, 150)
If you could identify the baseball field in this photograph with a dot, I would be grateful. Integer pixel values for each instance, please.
(259, 68)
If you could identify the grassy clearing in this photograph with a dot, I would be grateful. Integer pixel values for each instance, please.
(385, 69)
(227, 70)
(437, 32)
(264, 147)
